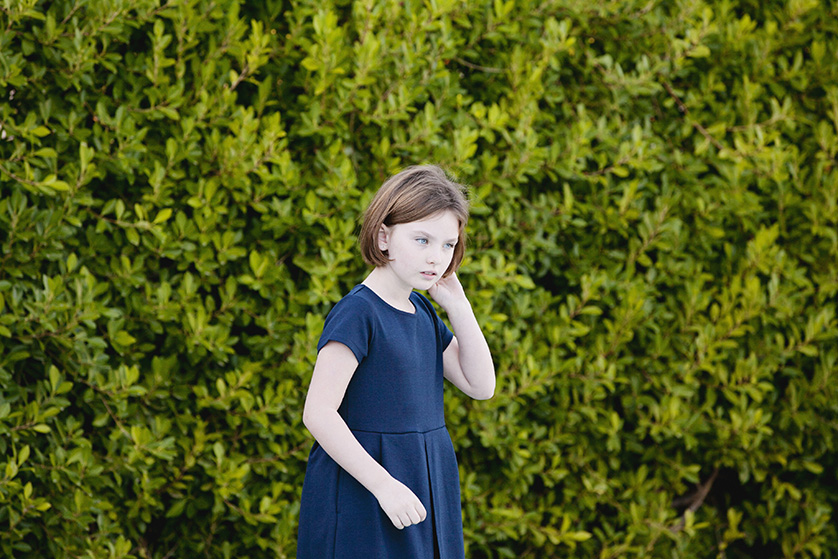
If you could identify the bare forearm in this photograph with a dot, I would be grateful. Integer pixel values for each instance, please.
(475, 357)
(332, 433)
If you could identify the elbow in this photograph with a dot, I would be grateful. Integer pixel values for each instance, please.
(484, 393)
(316, 418)
(485, 390)
(309, 419)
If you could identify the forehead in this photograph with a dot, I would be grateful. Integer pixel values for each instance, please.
(444, 223)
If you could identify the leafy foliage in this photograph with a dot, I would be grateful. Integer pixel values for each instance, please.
(653, 255)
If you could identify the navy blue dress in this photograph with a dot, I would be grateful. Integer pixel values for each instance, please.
(394, 407)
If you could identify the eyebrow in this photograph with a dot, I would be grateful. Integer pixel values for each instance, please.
(425, 234)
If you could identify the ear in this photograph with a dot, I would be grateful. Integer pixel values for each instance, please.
(383, 238)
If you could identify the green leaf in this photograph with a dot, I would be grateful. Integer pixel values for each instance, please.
(54, 377)
(699, 51)
(124, 338)
(23, 455)
(132, 236)
(163, 215)
(45, 152)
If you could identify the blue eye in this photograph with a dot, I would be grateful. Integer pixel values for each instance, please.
(422, 241)
(449, 245)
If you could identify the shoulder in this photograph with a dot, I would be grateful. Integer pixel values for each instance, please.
(350, 322)
(422, 303)
(356, 302)
(353, 308)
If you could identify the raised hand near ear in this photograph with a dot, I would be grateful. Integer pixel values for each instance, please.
(448, 292)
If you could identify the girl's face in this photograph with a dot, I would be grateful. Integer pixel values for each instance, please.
(420, 251)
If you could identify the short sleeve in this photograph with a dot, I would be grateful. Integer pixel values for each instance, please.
(349, 322)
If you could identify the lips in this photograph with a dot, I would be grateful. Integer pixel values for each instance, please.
(429, 275)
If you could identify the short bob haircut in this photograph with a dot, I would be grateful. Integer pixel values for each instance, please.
(416, 193)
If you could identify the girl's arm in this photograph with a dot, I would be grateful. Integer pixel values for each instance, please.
(467, 361)
(332, 372)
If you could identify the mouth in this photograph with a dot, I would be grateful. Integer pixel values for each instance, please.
(429, 275)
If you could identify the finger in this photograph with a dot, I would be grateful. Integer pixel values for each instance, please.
(415, 517)
(397, 522)
(422, 513)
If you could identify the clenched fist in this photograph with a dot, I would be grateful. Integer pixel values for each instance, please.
(400, 504)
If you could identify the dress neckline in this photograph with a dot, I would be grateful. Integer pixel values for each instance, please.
(388, 305)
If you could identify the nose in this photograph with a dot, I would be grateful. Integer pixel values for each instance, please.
(433, 256)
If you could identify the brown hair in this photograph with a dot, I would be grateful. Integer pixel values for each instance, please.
(414, 194)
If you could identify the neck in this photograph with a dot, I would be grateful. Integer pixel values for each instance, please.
(381, 281)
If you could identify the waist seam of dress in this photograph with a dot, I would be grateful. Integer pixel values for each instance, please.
(398, 432)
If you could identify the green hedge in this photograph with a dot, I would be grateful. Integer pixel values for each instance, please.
(653, 256)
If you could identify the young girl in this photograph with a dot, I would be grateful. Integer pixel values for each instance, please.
(382, 479)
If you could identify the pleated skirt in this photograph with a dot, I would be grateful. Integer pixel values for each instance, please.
(340, 519)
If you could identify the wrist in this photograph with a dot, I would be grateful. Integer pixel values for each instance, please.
(380, 482)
